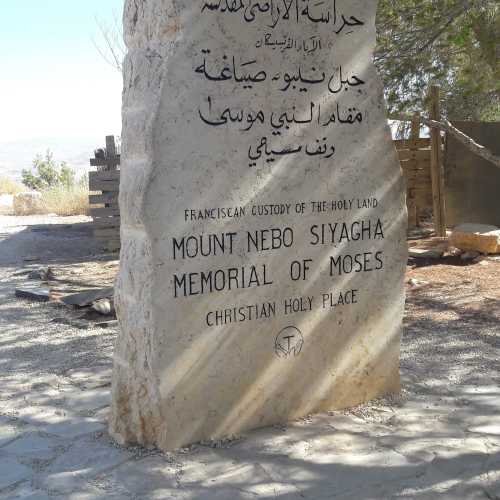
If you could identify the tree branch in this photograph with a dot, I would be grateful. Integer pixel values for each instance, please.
(113, 51)
(468, 142)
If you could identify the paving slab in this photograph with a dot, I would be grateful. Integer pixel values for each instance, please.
(87, 399)
(33, 445)
(147, 476)
(91, 377)
(57, 421)
(84, 460)
(8, 432)
(25, 492)
(11, 471)
(327, 475)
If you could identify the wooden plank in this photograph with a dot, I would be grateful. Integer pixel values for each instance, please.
(437, 166)
(113, 206)
(408, 165)
(105, 162)
(112, 245)
(423, 200)
(110, 146)
(421, 179)
(416, 186)
(105, 198)
(420, 143)
(106, 222)
(404, 150)
(108, 186)
(418, 154)
(105, 212)
(411, 203)
(423, 184)
(105, 175)
(424, 188)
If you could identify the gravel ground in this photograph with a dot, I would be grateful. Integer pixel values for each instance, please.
(439, 439)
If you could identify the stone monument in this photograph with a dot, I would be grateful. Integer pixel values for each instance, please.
(262, 218)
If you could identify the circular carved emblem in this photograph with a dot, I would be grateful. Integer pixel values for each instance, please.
(289, 342)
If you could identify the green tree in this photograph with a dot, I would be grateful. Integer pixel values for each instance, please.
(30, 180)
(67, 176)
(48, 174)
(455, 43)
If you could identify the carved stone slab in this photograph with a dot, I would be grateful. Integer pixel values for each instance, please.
(262, 218)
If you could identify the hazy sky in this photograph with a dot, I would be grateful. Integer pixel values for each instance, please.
(53, 82)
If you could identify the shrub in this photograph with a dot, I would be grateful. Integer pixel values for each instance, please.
(47, 174)
(59, 190)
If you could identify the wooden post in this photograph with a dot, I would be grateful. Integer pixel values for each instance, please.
(437, 166)
(110, 150)
(413, 220)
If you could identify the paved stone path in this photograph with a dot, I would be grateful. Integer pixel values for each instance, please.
(440, 439)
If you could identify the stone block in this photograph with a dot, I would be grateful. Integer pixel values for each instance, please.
(476, 238)
(84, 460)
(263, 219)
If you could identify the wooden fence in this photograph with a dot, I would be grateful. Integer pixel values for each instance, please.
(415, 158)
(104, 185)
(422, 163)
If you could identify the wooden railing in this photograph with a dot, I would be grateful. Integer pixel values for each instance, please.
(422, 163)
(415, 158)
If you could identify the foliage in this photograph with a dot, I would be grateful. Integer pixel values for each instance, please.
(455, 43)
(61, 192)
(47, 174)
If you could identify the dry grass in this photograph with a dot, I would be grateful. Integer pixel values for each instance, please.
(65, 201)
(59, 200)
(9, 186)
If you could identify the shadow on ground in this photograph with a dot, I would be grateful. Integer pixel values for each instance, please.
(439, 439)
(24, 239)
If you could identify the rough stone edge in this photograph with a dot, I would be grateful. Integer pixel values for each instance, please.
(135, 412)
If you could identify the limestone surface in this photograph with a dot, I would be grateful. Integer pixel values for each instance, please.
(263, 219)
(476, 238)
